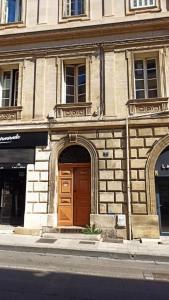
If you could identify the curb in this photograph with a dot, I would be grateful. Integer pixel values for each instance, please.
(86, 253)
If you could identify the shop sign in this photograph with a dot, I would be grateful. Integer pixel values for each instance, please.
(23, 139)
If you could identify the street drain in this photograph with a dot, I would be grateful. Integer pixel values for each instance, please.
(87, 243)
(46, 241)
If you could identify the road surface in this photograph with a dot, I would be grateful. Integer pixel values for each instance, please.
(48, 276)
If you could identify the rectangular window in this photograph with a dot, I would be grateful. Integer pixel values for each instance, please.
(11, 11)
(146, 78)
(75, 7)
(9, 88)
(75, 82)
(142, 3)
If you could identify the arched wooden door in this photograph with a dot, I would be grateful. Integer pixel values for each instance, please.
(74, 203)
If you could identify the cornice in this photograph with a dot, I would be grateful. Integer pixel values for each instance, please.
(86, 31)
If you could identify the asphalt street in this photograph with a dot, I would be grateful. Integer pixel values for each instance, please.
(48, 276)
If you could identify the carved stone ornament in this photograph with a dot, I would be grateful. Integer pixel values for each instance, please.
(147, 105)
(72, 137)
(10, 113)
(73, 110)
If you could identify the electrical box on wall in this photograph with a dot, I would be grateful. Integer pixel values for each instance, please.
(121, 221)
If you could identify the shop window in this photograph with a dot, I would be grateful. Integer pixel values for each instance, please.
(75, 83)
(9, 88)
(145, 78)
(11, 11)
(134, 4)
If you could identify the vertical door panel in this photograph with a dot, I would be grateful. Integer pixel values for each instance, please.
(82, 191)
(65, 205)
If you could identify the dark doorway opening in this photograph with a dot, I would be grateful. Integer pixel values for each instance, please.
(12, 196)
(162, 188)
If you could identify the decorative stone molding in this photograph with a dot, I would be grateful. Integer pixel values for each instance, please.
(147, 105)
(71, 110)
(57, 148)
(10, 113)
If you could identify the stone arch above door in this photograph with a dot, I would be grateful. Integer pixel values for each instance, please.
(158, 148)
(57, 148)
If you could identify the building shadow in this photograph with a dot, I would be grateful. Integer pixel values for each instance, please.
(35, 285)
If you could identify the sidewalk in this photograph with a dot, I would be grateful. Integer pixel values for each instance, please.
(84, 245)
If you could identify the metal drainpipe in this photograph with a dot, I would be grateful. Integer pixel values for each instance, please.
(128, 180)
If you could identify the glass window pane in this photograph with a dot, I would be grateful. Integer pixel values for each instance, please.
(140, 94)
(138, 64)
(139, 74)
(151, 73)
(11, 10)
(82, 79)
(5, 102)
(70, 70)
(152, 84)
(139, 84)
(69, 99)
(151, 64)
(70, 90)
(70, 80)
(152, 93)
(82, 89)
(82, 98)
(6, 94)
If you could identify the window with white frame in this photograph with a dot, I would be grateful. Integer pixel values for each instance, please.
(9, 88)
(75, 83)
(11, 11)
(146, 84)
(74, 7)
(134, 4)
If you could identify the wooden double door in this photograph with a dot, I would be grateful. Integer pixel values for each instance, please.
(74, 194)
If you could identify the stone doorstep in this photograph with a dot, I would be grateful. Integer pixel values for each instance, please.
(62, 229)
(73, 236)
(27, 231)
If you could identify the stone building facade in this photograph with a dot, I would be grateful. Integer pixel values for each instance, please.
(84, 115)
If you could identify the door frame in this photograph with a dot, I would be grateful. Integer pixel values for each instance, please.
(73, 166)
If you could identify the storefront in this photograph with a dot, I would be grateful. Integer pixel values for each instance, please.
(17, 150)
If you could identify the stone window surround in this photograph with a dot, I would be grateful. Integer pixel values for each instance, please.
(61, 61)
(159, 54)
(133, 11)
(64, 19)
(19, 24)
(13, 112)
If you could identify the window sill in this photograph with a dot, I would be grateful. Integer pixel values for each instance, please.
(152, 105)
(9, 113)
(70, 110)
(133, 11)
(74, 18)
(12, 25)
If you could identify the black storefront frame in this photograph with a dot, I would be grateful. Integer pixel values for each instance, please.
(17, 150)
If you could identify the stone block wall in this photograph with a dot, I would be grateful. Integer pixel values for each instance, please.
(36, 208)
(111, 148)
(142, 140)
